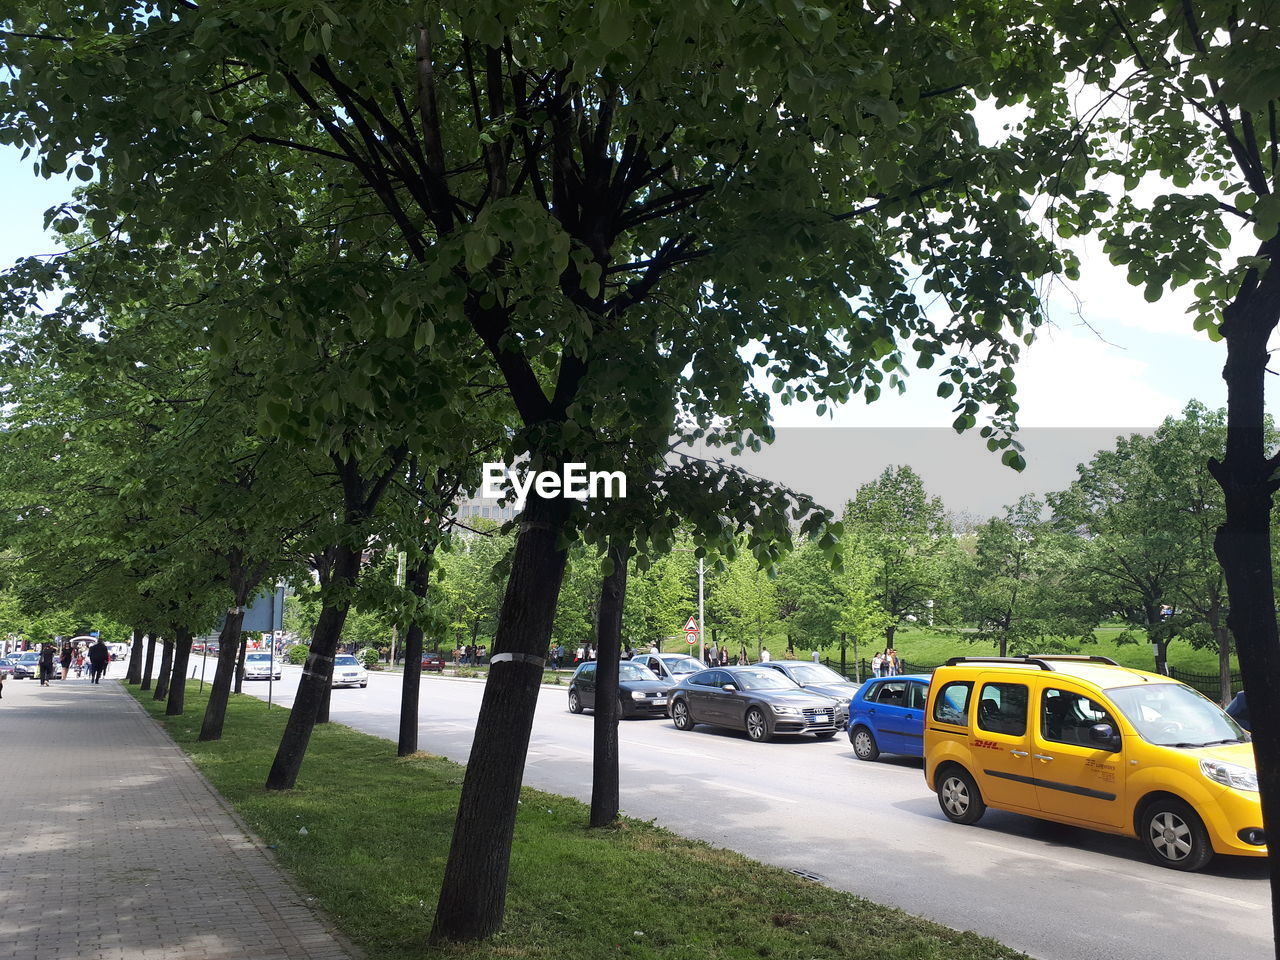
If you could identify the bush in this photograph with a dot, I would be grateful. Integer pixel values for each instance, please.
(297, 654)
(369, 657)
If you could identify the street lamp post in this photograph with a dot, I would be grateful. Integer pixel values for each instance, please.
(702, 639)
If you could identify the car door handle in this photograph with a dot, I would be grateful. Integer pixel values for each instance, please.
(1017, 753)
(1042, 756)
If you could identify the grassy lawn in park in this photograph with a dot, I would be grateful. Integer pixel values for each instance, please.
(931, 646)
(377, 835)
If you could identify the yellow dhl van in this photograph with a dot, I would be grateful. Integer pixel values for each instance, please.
(1084, 741)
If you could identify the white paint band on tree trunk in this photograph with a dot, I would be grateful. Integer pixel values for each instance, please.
(517, 658)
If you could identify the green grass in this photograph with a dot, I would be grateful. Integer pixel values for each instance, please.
(927, 645)
(378, 832)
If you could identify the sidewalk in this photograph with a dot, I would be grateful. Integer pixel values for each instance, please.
(116, 848)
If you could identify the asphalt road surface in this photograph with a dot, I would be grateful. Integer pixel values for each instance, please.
(1058, 893)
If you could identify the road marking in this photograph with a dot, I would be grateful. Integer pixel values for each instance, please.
(754, 793)
(1162, 883)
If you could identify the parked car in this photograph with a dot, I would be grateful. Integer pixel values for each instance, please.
(672, 667)
(887, 716)
(433, 661)
(1083, 741)
(349, 672)
(760, 701)
(260, 666)
(24, 668)
(640, 692)
(816, 678)
(6, 667)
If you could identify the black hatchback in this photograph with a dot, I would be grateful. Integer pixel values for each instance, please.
(761, 701)
(640, 693)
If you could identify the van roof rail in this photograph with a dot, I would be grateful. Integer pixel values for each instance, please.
(1043, 661)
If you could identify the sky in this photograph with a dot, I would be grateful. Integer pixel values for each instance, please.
(1109, 363)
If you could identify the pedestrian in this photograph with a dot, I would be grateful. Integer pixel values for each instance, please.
(724, 656)
(895, 666)
(99, 657)
(653, 648)
(815, 656)
(764, 654)
(627, 652)
(579, 655)
(79, 662)
(68, 652)
(46, 664)
(481, 654)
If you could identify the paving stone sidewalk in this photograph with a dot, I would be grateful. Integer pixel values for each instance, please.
(115, 847)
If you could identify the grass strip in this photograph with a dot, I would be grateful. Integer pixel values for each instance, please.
(377, 835)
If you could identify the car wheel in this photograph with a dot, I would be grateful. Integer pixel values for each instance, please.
(1174, 835)
(575, 703)
(363, 685)
(959, 797)
(864, 744)
(680, 715)
(757, 725)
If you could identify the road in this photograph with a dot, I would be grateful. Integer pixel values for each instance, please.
(1057, 893)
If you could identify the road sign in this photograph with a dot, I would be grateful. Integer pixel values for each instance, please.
(691, 625)
(691, 637)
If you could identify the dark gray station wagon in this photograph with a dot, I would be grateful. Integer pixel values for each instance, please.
(758, 700)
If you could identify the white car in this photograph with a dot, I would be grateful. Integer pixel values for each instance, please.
(258, 666)
(349, 672)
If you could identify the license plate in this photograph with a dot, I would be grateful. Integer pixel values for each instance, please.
(659, 701)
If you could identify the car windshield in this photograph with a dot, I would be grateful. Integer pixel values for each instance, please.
(815, 673)
(346, 660)
(1174, 715)
(258, 657)
(31, 656)
(763, 680)
(634, 671)
(683, 665)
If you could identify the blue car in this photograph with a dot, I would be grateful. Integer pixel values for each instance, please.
(887, 716)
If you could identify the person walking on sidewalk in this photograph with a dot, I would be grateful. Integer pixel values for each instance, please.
(67, 653)
(99, 657)
(46, 664)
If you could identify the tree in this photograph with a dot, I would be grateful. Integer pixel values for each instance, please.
(595, 195)
(904, 534)
(810, 601)
(744, 602)
(1016, 589)
(1186, 105)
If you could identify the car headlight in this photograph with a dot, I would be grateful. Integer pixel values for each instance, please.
(637, 694)
(789, 711)
(1230, 774)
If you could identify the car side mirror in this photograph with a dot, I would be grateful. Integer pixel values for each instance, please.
(1104, 735)
(730, 688)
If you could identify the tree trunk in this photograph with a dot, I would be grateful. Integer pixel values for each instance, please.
(889, 631)
(166, 665)
(474, 890)
(604, 767)
(178, 687)
(1243, 543)
(1223, 636)
(326, 696)
(242, 645)
(411, 682)
(317, 673)
(150, 664)
(215, 712)
(134, 675)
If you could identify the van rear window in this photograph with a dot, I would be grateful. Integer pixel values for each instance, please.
(952, 705)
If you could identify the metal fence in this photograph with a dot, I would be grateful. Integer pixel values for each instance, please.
(1210, 684)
